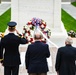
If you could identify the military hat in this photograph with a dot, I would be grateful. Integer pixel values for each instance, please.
(12, 24)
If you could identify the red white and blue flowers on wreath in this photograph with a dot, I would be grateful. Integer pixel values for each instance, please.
(32, 25)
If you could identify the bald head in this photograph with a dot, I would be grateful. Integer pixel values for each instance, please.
(37, 36)
(69, 40)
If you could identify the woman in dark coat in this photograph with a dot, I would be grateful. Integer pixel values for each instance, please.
(65, 60)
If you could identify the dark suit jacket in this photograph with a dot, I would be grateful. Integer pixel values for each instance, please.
(65, 60)
(11, 43)
(35, 58)
(0, 51)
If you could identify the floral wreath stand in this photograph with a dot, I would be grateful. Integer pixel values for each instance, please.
(34, 24)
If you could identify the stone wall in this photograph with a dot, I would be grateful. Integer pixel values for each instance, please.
(68, 0)
(6, 0)
(73, 0)
(61, 0)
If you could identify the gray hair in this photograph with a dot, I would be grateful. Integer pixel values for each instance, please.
(69, 40)
(37, 36)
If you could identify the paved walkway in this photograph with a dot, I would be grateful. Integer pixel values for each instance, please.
(22, 71)
(4, 7)
(69, 8)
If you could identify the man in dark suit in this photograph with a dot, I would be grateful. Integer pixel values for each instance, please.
(65, 60)
(35, 58)
(11, 55)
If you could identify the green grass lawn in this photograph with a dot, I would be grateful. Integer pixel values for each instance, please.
(4, 19)
(69, 22)
(74, 3)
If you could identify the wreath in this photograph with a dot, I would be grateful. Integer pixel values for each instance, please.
(32, 25)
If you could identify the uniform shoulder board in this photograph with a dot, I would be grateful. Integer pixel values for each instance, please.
(1, 60)
(2, 35)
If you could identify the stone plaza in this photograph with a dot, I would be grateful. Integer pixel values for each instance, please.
(50, 11)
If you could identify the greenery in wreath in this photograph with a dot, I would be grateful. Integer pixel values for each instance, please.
(32, 25)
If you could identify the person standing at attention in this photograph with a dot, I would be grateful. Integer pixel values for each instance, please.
(0, 49)
(65, 59)
(10, 50)
(1, 35)
(35, 57)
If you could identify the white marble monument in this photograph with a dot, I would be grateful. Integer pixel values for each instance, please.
(48, 10)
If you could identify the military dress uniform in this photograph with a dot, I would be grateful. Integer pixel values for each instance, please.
(1, 59)
(0, 53)
(11, 55)
(0, 50)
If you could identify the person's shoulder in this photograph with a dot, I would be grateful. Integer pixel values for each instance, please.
(74, 47)
(17, 36)
(44, 44)
(4, 36)
(14, 36)
(61, 48)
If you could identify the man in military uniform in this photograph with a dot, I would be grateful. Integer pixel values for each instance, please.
(10, 50)
(0, 52)
(0, 48)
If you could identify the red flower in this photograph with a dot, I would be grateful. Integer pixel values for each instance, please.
(29, 23)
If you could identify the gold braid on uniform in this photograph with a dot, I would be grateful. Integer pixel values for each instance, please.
(1, 60)
(21, 36)
(2, 35)
(11, 27)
